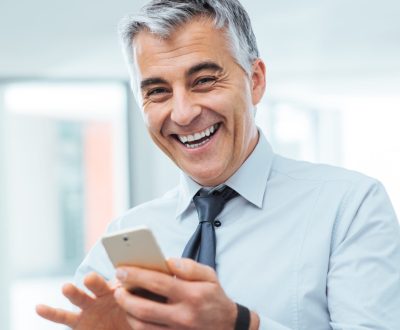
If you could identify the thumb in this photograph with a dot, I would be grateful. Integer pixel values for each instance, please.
(190, 270)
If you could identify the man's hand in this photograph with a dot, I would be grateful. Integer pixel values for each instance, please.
(195, 298)
(100, 312)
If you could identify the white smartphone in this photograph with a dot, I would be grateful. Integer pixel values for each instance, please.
(135, 247)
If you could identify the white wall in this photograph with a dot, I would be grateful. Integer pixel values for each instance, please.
(152, 172)
(4, 273)
(33, 198)
(372, 143)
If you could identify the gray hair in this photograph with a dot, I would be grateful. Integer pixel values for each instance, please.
(161, 17)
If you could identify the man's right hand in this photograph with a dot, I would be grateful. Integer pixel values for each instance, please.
(100, 312)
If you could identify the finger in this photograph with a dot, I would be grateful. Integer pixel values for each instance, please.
(76, 296)
(140, 325)
(97, 284)
(154, 281)
(189, 270)
(143, 309)
(114, 283)
(57, 315)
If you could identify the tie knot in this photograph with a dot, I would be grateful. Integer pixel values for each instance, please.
(210, 203)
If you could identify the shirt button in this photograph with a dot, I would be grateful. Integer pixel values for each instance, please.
(217, 223)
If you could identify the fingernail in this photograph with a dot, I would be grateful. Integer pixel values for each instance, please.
(121, 274)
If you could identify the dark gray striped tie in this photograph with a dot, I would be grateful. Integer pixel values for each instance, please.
(202, 245)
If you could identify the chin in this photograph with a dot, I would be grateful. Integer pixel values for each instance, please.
(206, 175)
(205, 179)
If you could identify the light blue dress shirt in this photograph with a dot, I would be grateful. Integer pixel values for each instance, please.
(306, 246)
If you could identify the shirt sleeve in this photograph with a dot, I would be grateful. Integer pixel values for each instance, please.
(96, 261)
(363, 282)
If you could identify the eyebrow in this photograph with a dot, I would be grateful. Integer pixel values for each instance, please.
(151, 81)
(203, 66)
(194, 69)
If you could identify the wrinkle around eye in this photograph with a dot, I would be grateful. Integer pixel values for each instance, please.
(204, 83)
(157, 94)
(156, 91)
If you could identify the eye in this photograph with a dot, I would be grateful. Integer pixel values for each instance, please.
(205, 82)
(157, 93)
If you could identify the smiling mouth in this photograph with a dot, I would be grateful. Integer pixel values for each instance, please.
(196, 140)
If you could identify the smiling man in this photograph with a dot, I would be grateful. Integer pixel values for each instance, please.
(294, 246)
(198, 102)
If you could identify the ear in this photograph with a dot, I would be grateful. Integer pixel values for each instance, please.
(258, 81)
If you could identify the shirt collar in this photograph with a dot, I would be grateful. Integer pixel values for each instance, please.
(250, 180)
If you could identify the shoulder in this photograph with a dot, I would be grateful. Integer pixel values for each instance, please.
(335, 188)
(165, 201)
(319, 173)
(148, 213)
(333, 184)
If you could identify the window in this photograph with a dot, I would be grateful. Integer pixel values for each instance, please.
(66, 177)
(356, 132)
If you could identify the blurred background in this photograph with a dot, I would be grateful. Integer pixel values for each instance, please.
(74, 152)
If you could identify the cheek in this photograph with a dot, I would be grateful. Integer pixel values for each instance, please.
(153, 120)
(146, 119)
(218, 102)
(230, 98)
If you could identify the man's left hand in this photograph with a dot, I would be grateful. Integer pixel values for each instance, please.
(195, 299)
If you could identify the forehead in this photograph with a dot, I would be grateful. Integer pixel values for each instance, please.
(191, 43)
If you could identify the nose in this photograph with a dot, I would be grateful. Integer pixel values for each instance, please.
(184, 110)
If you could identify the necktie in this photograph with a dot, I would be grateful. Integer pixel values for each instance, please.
(202, 245)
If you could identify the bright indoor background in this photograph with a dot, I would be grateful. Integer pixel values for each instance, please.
(74, 152)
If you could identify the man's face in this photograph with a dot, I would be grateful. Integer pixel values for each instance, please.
(198, 103)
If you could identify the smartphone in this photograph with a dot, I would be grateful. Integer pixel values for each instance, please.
(136, 247)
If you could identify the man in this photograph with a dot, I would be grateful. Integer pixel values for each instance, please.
(302, 246)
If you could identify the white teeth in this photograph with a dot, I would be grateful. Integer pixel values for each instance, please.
(183, 139)
(196, 145)
(197, 136)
